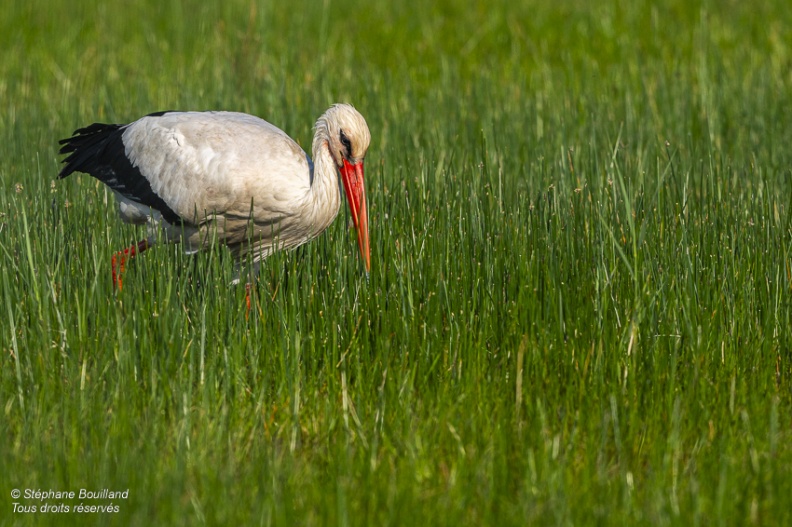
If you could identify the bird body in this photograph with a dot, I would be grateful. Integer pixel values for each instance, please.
(233, 178)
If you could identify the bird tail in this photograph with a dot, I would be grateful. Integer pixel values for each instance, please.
(86, 146)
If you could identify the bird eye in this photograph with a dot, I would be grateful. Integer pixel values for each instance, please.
(347, 143)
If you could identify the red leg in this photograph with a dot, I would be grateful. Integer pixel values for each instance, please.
(247, 298)
(120, 258)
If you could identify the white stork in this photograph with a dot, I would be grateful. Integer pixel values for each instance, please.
(231, 177)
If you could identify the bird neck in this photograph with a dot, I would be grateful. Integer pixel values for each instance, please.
(325, 193)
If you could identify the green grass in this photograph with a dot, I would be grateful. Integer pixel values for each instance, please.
(580, 306)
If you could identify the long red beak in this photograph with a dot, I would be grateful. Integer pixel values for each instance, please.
(352, 176)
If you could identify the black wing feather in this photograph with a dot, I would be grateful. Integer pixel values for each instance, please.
(98, 150)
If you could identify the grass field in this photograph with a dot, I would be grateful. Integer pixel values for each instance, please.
(580, 306)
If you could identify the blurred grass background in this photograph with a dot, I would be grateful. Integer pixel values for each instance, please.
(579, 311)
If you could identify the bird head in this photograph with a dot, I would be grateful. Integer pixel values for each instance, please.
(348, 139)
(348, 134)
